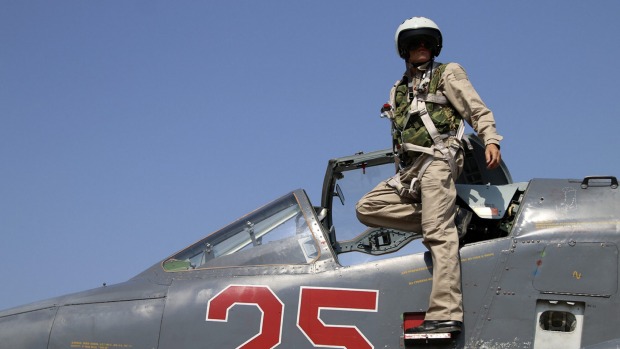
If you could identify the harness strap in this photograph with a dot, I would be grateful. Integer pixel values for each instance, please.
(434, 98)
(414, 187)
(416, 148)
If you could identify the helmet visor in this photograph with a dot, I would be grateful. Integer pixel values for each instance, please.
(426, 41)
(411, 37)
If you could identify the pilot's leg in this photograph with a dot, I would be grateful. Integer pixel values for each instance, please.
(438, 191)
(383, 207)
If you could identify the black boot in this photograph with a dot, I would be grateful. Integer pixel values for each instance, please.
(437, 326)
(462, 219)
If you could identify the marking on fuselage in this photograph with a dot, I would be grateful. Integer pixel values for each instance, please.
(463, 260)
(98, 345)
(553, 224)
(415, 270)
(415, 282)
(474, 258)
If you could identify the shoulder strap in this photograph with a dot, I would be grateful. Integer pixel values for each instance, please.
(435, 76)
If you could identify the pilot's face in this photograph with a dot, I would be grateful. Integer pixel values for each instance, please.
(419, 51)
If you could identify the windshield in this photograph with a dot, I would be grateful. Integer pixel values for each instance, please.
(277, 233)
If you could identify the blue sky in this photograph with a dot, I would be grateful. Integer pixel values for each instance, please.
(130, 129)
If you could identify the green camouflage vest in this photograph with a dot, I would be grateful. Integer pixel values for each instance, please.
(445, 118)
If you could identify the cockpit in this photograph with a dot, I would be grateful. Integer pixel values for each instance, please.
(479, 190)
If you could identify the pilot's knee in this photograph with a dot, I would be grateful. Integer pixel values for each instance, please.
(363, 212)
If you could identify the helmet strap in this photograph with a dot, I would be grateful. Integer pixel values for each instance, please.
(426, 78)
(427, 69)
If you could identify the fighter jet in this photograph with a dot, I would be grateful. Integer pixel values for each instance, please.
(539, 266)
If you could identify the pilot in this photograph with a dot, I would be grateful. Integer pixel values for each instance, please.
(427, 107)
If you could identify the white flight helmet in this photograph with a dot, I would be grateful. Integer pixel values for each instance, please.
(416, 28)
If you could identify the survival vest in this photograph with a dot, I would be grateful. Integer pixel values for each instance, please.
(408, 126)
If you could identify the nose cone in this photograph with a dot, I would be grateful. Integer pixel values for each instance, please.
(26, 328)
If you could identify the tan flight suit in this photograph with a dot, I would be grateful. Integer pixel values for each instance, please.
(434, 214)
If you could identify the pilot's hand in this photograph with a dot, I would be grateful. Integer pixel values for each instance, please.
(493, 156)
